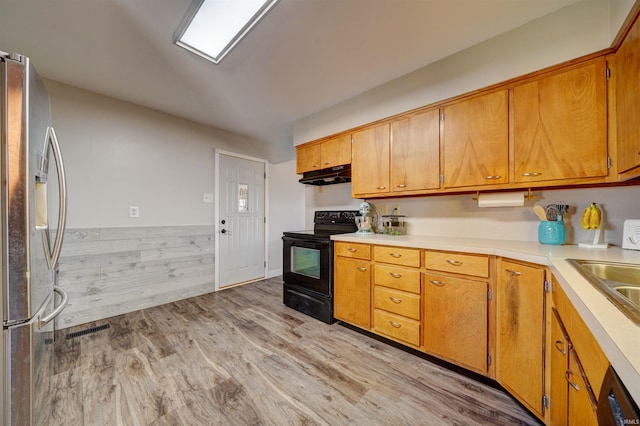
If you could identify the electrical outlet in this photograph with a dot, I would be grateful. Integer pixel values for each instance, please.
(134, 211)
(395, 209)
(207, 197)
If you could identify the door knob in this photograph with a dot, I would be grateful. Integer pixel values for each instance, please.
(224, 231)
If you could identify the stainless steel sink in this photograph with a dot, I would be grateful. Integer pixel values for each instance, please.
(618, 282)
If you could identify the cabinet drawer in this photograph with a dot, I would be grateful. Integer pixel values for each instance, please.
(397, 302)
(467, 264)
(354, 250)
(397, 256)
(397, 327)
(398, 278)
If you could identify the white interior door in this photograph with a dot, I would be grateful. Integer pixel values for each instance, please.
(241, 220)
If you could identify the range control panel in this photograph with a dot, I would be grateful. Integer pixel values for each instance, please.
(334, 216)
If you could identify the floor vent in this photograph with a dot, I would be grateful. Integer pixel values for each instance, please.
(88, 331)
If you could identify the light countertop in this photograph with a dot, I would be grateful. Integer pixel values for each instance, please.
(618, 336)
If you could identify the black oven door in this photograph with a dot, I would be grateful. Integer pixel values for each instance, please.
(307, 264)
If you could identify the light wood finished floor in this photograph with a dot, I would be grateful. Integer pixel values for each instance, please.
(240, 357)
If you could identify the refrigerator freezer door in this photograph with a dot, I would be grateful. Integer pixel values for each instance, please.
(25, 140)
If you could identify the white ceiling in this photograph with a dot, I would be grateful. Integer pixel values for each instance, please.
(306, 55)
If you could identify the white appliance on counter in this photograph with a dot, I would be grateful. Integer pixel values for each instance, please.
(33, 213)
(631, 234)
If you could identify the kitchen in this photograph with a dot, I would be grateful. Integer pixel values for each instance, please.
(151, 170)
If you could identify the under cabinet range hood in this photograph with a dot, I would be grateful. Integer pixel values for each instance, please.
(330, 176)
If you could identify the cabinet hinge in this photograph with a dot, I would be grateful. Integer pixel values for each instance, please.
(545, 401)
(608, 162)
(442, 116)
(489, 359)
(265, 263)
(490, 294)
(441, 178)
(547, 286)
(265, 219)
(608, 73)
(265, 175)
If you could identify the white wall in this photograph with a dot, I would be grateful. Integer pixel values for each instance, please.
(286, 210)
(576, 30)
(573, 31)
(119, 154)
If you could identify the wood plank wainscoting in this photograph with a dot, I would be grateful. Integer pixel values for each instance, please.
(241, 357)
(112, 271)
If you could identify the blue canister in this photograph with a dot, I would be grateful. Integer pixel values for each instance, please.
(552, 232)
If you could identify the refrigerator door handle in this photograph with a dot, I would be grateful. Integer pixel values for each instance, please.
(54, 255)
(63, 303)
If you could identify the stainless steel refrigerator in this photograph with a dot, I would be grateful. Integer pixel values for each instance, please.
(33, 213)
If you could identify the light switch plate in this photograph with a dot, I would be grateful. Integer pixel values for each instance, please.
(134, 212)
(207, 197)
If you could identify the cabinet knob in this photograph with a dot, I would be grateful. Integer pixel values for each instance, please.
(402, 185)
(454, 262)
(326, 163)
(491, 177)
(532, 174)
(382, 187)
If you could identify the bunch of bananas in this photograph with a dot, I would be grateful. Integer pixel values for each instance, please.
(591, 217)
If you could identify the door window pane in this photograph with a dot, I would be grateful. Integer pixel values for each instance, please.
(243, 198)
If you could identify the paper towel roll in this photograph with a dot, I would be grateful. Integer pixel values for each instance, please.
(501, 199)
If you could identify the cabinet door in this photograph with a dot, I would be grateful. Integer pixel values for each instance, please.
(336, 151)
(308, 158)
(559, 363)
(520, 332)
(352, 292)
(415, 152)
(476, 141)
(627, 77)
(561, 126)
(455, 320)
(582, 408)
(370, 163)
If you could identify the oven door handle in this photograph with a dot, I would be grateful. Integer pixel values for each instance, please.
(297, 242)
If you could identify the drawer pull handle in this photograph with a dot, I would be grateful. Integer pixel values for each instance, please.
(567, 376)
(560, 347)
(316, 165)
(382, 187)
(402, 185)
(436, 282)
(395, 275)
(352, 250)
(395, 299)
(327, 163)
(490, 177)
(454, 262)
(361, 269)
(512, 272)
(396, 255)
(395, 324)
(532, 174)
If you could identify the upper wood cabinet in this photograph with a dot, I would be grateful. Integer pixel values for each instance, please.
(329, 153)
(370, 163)
(626, 72)
(560, 125)
(476, 141)
(415, 152)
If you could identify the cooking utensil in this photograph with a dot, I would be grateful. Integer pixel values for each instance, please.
(551, 212)
(539, 211)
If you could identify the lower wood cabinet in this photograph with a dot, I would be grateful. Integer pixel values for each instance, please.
(352, 294)
(520, 320)
(456, 320)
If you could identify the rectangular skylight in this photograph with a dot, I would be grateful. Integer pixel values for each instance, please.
(213, 27)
